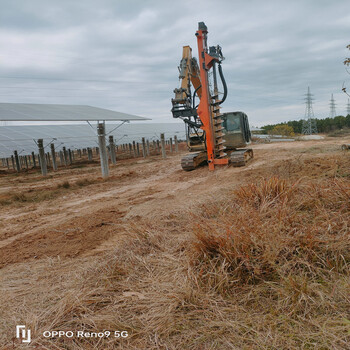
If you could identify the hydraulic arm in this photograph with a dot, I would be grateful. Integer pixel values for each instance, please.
(188, 73)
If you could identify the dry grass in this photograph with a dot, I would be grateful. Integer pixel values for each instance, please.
(265, 267)
(340, 133)
(36, 195)
(64, 184)
(21, 198)
(40, 194)
(275, 229)
(284, 246)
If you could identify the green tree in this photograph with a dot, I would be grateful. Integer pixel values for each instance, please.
(323, 125)
(282, 129)
(339, 121)
(267, 128)
(297, 125)
(347, 120)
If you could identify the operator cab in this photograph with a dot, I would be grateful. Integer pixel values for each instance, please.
(237, 131)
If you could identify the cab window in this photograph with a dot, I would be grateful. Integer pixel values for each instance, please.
(233, 123)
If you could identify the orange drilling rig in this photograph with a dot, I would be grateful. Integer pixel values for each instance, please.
(212, 137)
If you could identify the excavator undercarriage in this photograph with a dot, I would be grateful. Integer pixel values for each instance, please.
(237, 158)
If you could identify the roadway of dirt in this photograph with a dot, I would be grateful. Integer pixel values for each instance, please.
(85, 221)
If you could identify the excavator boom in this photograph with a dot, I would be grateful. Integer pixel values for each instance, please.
(188, 73)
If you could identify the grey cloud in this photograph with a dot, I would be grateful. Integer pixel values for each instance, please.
(124, 54)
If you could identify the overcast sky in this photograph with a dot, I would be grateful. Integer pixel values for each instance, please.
(123, 55)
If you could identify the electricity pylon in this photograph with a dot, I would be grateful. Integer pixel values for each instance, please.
(332, 112)
(309, 123)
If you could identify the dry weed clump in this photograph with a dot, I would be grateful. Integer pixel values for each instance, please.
(340, 133)
(36, 195)
(28, 196)
(315, 167)
(64, 184)
(273, 190)
(274, 230)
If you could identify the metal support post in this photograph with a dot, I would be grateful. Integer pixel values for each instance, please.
(33, 158)
(143, 147)
(112, 150)
(18, 167)
(42, 157)
(134, 148)
(53, 156)
(89, 153)
(103, 149)
(162, 139)
(70, 156)
(147, 148)
(65, 156)
(176, 144)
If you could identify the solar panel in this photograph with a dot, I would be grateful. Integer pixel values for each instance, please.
(54, 112)
(21, 137)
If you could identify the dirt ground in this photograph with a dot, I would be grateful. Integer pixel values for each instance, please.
(44, 219)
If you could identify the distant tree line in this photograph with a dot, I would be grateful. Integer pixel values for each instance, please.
(323, 125)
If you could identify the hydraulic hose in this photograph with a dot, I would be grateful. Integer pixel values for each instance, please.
(223, 84)
(194, 95)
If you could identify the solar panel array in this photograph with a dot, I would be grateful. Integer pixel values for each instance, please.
(54, 112)
(21, 138)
